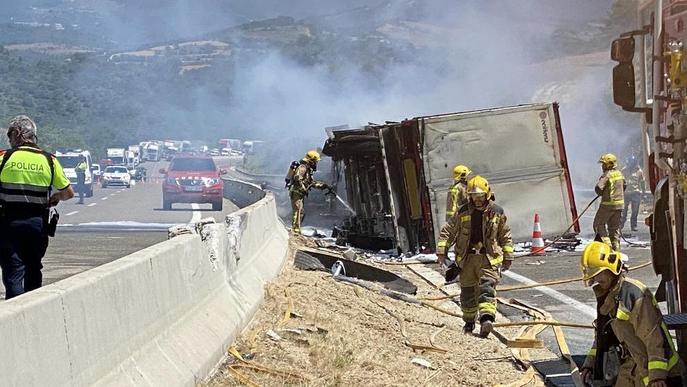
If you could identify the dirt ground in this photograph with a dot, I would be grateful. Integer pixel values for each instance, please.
(315, 331)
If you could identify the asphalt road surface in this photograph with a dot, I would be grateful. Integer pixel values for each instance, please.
(116, 222)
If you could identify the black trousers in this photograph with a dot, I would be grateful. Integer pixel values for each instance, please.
(23, 243)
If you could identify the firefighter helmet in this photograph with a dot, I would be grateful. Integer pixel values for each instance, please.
(609, 160)
(460, 172)
(478, 185)
(312, 156)
(599, 256)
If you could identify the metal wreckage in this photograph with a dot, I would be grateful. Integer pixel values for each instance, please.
(396, 175)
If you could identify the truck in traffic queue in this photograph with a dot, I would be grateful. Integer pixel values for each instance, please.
(152, 151)
(135, 154)
(117, 155)
(651, 79)
(397, 175)
(69, 159)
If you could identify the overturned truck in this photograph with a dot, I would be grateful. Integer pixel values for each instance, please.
(397, 174)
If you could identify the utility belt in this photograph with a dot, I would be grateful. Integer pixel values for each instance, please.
(18, 211)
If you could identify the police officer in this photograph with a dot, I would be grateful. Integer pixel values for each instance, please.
(27, 176)
(81, 178)
(484, 245)
(641, 342)
(301, 183)
(610, 187)
(456, 192)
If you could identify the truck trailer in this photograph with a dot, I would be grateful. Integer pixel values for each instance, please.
(397, 175)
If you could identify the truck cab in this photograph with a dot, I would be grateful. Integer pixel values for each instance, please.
(69, 159)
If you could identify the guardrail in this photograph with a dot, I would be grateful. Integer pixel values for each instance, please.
(162, 316)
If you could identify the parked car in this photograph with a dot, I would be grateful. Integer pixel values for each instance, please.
(192, 179)
(116, 175)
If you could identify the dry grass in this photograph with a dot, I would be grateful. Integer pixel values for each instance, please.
(350, 337)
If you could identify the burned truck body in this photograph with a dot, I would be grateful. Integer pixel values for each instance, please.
(397, 174)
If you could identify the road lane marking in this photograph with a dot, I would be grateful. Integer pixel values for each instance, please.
(196, 214)
(105, 198)
(586, 309)
(72, 213)
(92, 204)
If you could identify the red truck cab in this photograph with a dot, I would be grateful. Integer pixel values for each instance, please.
(192, 179)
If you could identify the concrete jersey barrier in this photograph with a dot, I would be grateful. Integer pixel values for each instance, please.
(162, 316)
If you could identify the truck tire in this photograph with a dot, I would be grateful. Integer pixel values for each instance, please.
(305, 261)
(104, 185)
(217, 206)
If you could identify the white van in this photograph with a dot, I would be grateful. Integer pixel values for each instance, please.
(69, 160)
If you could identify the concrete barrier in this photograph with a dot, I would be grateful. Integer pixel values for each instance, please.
(242, 193)
(162, 316)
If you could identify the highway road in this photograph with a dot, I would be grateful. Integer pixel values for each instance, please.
(116, 222)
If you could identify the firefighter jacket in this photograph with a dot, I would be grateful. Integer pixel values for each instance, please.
(611, 187)
(496, 235)
(635, 181)
(302, 180)
(456, 198)
(638, 324)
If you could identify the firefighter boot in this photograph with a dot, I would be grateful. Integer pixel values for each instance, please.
(486, 326)
(468, 328)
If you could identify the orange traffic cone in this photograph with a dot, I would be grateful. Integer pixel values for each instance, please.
(537, 247)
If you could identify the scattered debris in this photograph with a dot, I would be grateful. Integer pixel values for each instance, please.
(273, 335)
(423, 363)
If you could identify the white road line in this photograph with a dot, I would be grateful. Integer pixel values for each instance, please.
(105, 198)
(72, 213)
(92, 204)
(586, 309)
(196, 214)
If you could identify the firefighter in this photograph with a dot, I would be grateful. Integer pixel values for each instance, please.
(28, 176)
(633, 196)
(644, 349)
(299, 186)
(483, 247)
(610, 187)
(456, 193)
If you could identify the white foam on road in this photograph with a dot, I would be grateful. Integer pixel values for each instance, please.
(105, 198)
(196, 213)
(120, 225)
(72, 213)
(586, 309)
(92, 204)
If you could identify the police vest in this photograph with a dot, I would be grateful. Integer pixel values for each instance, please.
(26, 176)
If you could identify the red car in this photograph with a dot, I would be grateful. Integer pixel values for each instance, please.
(192, 179)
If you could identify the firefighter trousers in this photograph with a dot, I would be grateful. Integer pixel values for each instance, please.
(478, 281)
(607, 225)
(297, 201)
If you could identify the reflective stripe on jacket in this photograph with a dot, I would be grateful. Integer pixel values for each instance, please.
(496, 234)
(611, 186)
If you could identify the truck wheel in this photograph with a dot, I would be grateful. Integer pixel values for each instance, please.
(217, 206)
(104, 185)
(166, 205)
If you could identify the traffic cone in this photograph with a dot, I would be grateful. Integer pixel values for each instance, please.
(537, 247)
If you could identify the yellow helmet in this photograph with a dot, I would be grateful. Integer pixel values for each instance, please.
(597, 257)
(609, 159)
(479, 185)
(461, 172)
(312, 156)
